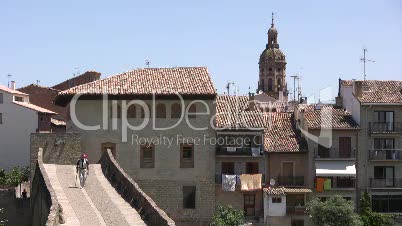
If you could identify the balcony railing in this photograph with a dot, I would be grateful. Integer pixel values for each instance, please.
(334, 153)
(296, 181)
(385, 154)
(246, 151)
(385, 127)
(295, 210)
(386, 183)
(218, 179)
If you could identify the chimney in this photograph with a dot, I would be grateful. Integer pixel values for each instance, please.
(251, 102)
(357, 88)
(13, 85)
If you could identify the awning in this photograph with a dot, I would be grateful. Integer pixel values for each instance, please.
(335, 168)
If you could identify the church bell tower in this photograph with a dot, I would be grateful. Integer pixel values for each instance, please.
(272, 67)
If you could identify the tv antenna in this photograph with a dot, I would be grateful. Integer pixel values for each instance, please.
(37, 82)
(228, 86)
(294, 86)
(147, 62)
(364, 60)
(8, 80)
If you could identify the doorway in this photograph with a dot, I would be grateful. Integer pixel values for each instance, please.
(249, 205)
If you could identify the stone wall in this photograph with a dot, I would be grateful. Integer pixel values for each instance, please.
(45, 208)
(132, 193)
(58, 148)
(16, 210)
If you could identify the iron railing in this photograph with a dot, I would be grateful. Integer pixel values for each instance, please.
(385, 154)
(246, 151)
(334, 153)
(294, 181)
(394, 182)
(385, 127)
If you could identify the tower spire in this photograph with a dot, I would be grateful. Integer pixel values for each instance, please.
(272, 23)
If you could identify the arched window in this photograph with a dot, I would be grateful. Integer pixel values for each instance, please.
(192, 109)
(116, 110)
(147, 108)
(270, 69)
(270, 85)
(175, 110)
(262, 85)
(279, 83)
(132, 111)
(160, 111)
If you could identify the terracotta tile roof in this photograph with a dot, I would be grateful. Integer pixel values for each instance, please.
(297, 190)
(232, 112)
(33, 107)
(8, 90)
(340, 119)
(145, 81)
(281, 135)
(380, 91)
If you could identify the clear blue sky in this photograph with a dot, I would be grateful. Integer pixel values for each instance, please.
(46, 40)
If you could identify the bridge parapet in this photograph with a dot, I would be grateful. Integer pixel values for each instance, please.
(46, 210)
(132, 193)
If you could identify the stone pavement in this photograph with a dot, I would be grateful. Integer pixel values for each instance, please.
(97, 203)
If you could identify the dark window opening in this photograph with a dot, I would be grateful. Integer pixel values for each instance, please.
(276, 200)
(251, 167)
(187, 156)
(160, 111)
(189, 197)
(228, 168)
(147, 156)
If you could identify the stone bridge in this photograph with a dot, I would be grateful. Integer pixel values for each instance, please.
(110, 196)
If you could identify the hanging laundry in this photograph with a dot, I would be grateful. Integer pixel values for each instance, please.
(320, 184)
(228, 182)
(327, 184)
(250, 182)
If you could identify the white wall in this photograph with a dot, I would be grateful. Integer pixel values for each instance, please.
(274, 209)
(350, 102)
(18, 123)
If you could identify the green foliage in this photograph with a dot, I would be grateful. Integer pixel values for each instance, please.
(370, 218)
(15, 177)
(228, 216)
(335, 211)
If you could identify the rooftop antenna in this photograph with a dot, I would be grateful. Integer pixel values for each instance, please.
(364, 60)
(37, 82)
(299, 88)
(228, 86)
(294, 86)
(147, 62)
(8, 80)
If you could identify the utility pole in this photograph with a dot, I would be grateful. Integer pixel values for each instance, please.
(364, 60)
(228, 87)
(294, 86)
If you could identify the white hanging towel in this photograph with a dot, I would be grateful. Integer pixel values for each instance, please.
(228, 182)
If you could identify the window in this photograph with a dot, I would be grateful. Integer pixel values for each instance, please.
(387, 203)
(191, 110)
(176, 110)
(269, 69)
(1, 118)
(1, 98)
(147, 156)
(189, 197)
(228, 168)
(385, 175)
(251, 167)
(160, 111)
(19, 99)
(116, 110)
(276, 200)
(279, 82)
(323, 152)
(270, 85)
(384, 143)
(384, 120)
(345, 147)
(147, 108)
(186, 156)
(132, 112)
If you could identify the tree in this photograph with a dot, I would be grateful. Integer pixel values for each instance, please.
(335, 211)
(228, 216)
(370, 218)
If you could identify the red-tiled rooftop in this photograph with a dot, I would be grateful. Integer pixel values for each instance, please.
(281, 134)
(327, 116)
(377, 91)
(33, 107)
(232, 112)
(8, 90)
(146, 81)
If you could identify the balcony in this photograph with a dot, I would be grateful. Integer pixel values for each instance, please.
(295, 210)
(292, 181)
(386, 183)
(385, 127)
(385, 155)
(218, 179)
(334, 153)
(238, 151)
